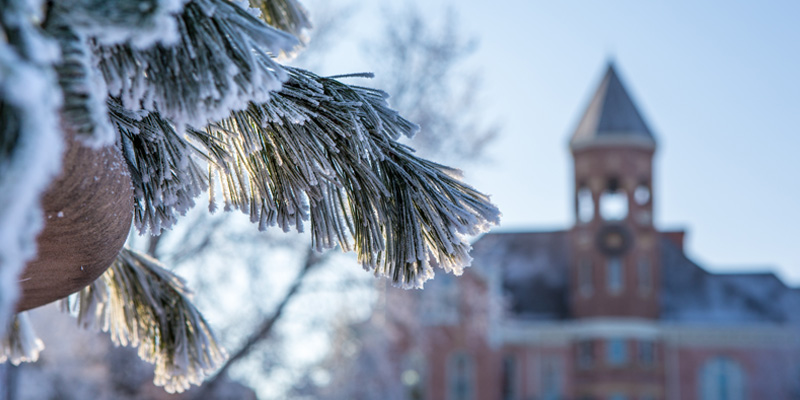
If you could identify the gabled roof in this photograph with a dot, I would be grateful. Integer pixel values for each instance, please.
(612, 117)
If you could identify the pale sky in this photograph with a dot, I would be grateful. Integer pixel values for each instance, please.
(717, 81)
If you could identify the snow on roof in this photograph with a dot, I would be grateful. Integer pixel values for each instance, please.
(533, 270)
(534, 267)
(692, 294)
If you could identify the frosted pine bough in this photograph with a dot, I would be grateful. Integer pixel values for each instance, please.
(192, 94)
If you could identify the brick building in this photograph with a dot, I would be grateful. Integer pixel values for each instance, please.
(610, 308)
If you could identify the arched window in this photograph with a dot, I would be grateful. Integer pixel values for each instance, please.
(461, 377)
(585, 205)
(613, 202)
(722, 378)
(641, 194)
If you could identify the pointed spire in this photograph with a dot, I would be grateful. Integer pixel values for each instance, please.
(612, 118)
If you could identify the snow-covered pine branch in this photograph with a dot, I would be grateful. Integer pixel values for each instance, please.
(223, 59)
(141, 304)
(21, 344)
(287, 147)
(326, 151)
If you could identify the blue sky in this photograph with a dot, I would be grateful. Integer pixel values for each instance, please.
(716, 80)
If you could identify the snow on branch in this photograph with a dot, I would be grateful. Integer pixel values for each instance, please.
(326, 152)
(84, 91)
(223, 60)
(20, 343)
(139, 22)
(319, 152)
(165, 170)
(31, 143)
(141, 304)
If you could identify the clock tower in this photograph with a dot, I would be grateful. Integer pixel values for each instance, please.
(614, 263)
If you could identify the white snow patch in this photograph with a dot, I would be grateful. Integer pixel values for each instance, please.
(35, 160)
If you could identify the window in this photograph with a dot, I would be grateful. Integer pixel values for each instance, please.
(641, 195)
(585, 205)
(461, 377)
(509, 378)
(439, 303)
(721, 378)
(614, 276)
(585, 285)
(616, 352)
(551, 378)
(585, 353)
(647, 353)
(645, 275)
(613, 202)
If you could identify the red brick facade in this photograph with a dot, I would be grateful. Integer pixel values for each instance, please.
(611, 308)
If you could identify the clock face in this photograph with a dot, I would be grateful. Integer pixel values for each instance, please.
(614, 239)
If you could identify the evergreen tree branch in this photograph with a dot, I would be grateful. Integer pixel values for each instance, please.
(141, 23)
(319, 151)
(84, 110)
(223, 59)
(143, 305)
(166, 168)
(326, 152)
(20, 344)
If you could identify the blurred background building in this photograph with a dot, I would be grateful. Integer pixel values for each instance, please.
(610, 308)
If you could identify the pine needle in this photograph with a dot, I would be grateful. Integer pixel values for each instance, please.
(141, 304)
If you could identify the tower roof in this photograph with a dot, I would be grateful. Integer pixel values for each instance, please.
(612, 118)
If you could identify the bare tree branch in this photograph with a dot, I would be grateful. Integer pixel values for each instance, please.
(312, 260)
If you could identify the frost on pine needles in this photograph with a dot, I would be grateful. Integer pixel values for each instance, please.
(192, 94)
(325, 152)
(222, 60)
(141, 304)
(21, 343)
